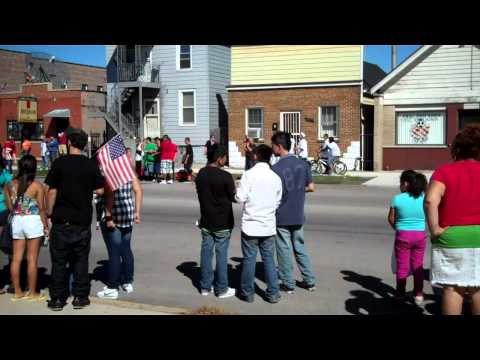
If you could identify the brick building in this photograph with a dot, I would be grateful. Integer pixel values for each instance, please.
(71, 95)
(314, 89)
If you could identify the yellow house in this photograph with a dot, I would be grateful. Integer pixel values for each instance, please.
(311, 89)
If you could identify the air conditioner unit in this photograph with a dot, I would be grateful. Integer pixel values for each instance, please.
(254, 133)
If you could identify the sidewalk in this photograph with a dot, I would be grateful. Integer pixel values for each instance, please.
(391, 178)
(97, 307)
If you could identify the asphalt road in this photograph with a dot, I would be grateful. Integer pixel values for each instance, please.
(347, 235)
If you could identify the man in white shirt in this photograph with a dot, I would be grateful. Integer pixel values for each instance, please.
(293, 149)
(334, 152)
(44, 152)
(303, 147)
(260, 191)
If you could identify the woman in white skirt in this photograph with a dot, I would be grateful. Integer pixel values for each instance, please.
(453, 210)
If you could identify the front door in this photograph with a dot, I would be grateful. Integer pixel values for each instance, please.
(151, 118)
(290, 123)
(469, 117)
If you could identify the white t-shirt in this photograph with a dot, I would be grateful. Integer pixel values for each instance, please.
(292, 148)
(334, 149)
(260, 191)
(138, 157)
(43, 147)
(303, 151)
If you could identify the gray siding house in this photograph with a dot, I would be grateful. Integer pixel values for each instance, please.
(175, 90)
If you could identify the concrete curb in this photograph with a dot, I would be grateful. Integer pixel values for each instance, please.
(140, 306)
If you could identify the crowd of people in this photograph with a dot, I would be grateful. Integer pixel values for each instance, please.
(272, 198)
(155, 160)
(60, 212)
(51, 147)
(273, 201)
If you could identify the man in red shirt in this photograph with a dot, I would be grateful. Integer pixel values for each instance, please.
(62, 140)
(168, 155)
(10, 153)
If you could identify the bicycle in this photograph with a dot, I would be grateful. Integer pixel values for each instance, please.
(320, 166)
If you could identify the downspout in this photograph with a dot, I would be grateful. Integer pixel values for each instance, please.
(362, 129)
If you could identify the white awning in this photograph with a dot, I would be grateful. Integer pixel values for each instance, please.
(61, 113)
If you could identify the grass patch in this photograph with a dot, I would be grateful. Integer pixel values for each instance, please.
(340, 180)
(206, 310)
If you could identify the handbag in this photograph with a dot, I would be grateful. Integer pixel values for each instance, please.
(6, 237)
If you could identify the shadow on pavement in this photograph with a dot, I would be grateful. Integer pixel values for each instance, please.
(43, 279)
(377, 298)
(191, 270)
(100, 272)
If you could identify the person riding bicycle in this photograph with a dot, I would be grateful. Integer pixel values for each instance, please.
(334, 152)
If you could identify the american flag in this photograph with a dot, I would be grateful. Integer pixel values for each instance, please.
(115, 163)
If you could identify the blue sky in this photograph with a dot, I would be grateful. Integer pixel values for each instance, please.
(95, 54)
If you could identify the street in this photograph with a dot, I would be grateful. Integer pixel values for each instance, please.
(347, 236)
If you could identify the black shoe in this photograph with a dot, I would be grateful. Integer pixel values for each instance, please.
(56, 304)
(10, 290)
(273, 300)
(286, 289)
(304, 285)
(248, 299)
(80, 302)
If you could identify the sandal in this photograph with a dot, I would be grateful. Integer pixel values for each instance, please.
(24, 297)
(39, 297)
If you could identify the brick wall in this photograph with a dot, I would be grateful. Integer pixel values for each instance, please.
(307, 101)
(14, 64)
(49, 100)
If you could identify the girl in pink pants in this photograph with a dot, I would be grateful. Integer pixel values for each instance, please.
(407, 218)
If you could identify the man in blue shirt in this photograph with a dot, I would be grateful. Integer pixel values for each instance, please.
(296, 181)
(52, 147)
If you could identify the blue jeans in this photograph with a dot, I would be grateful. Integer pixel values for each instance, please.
(292, 238)
(249, 251)
(45, 161)
(149, 169)
(219, 241)
(120, 256)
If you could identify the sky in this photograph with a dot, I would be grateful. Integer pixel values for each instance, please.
(95, 54)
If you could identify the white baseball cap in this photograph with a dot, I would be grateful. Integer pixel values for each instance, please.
(302, 134)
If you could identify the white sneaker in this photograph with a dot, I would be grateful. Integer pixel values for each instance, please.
(206, 292)
(128, 288)
(229, 293)
(107, 293)
(163, 182)
(419, 300)
(170, 182)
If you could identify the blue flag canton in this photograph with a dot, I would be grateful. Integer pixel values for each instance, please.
(117, 148)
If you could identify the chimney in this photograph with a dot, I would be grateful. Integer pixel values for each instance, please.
(394, 57)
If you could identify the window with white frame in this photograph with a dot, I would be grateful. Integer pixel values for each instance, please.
(187, 107)
(420, 128)
(184, 57)
(255, 123)
(328, 121)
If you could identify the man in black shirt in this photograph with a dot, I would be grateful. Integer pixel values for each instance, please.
(188, 158)
(72, 180)
(210, 148)
(216, 193)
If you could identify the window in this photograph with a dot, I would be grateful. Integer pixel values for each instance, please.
(328, 122)
(420, 128)
(19, 131)
(255, 123)
(151, 107)
(187, 107)
(184, 57)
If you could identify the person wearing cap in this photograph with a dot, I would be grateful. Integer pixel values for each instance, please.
(303, 147)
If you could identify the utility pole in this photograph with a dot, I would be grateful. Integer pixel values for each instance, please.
(394, 57)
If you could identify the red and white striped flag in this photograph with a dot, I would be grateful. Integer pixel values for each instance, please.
(115, 163)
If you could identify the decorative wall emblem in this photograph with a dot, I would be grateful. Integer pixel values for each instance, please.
(420, 131)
